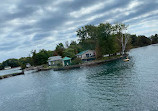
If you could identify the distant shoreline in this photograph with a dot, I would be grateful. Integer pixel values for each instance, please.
(11, 68)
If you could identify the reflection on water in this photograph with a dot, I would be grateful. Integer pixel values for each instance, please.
(114, 86)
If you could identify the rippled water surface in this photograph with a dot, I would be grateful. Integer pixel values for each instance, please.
(114, 86)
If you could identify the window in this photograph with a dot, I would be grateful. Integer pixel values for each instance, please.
(87, 55)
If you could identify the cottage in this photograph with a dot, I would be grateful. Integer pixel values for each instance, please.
(66, 61)
(87, 55)
(55, 60)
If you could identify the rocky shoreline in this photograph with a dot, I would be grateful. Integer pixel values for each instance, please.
(11, 75)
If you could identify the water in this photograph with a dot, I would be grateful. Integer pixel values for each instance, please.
(115, 86)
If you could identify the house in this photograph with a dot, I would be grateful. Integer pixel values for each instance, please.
(55, 60)
(66, 61)
(87, 55)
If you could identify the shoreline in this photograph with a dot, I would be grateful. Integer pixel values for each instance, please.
(11, 75)
(10, 68)
(39, 68)
(92, 63)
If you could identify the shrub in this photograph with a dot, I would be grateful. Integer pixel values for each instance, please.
(76, 61)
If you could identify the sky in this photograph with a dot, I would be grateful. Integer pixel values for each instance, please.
(27, 25)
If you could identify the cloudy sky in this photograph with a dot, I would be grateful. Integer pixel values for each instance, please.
(36, 24)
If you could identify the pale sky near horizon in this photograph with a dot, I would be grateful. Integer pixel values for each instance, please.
(27, 25)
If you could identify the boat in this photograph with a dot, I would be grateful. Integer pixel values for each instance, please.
(125, 60)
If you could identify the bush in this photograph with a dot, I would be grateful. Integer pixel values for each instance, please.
(59, 64)
(23, 66)
(76, 61)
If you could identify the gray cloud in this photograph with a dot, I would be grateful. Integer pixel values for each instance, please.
(30, 24)
(40, 36)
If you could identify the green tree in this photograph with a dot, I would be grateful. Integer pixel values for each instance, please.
(60, 49)
(41, 57)
(143, 41)
(100, 38)
(134, 40)
(123, 38)
(24, 60)
(154, 39)
(10, 62)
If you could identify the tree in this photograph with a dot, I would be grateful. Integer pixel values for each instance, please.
(154, 39)
(41, 57)
(99, 38)
(60, 49)
(10, 62)
(70, 52)
(143, 41)
(24, 60)
(122, 38)
(106, 38)
(134, 40)
(66, 44)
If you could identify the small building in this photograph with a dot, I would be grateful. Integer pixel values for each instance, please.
(28, 65)
(87, 55)
(55, 60)
(107, 55)
(7, 67)
(66, 61)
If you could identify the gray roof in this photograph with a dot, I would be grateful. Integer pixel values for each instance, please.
(54, 58)
(81, 53)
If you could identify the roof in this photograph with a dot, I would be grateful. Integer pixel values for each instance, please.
(66, 58)
(7, 67)
(82, 52)
(54, 58)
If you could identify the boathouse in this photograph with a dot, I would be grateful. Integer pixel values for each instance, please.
(66, 61)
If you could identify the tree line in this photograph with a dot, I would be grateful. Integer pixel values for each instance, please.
(104, 38)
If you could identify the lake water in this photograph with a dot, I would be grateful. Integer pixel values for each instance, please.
(114, 86)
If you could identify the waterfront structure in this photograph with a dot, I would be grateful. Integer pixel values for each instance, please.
(54, 60)
(28, 65)
(66, 61)
(7, 67)
(87, 55)
(107, 55)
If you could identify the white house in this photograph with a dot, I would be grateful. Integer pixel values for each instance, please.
(55, 60)
(28, 65)
(87, 55)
